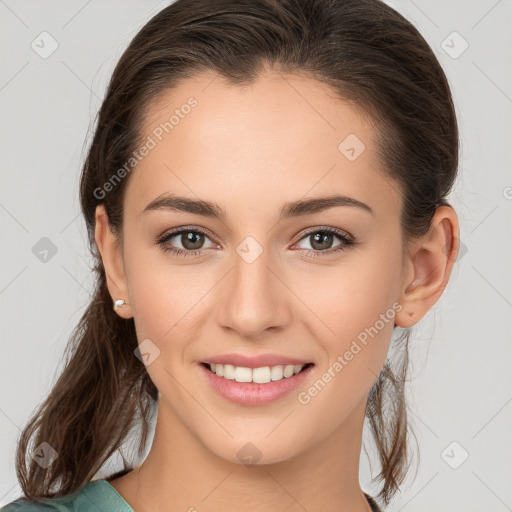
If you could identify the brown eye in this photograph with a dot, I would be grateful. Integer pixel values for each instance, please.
(192, 240)
(185, 242)
(322, 240)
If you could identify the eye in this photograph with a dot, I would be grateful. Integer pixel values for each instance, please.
(190, 240)
(321, 241)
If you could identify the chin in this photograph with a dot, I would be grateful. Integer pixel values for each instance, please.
(255, 453)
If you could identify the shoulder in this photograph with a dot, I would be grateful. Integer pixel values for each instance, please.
(63, 504)
(78, 501)
(27, 506)
(95, 495)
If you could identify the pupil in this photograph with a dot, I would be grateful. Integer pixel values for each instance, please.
(322, 240)
(192, 240)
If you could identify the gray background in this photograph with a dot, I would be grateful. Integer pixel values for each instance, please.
(460, 394)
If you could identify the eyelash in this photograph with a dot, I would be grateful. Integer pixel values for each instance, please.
(346, 242)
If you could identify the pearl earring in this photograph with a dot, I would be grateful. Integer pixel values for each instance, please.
(119, 303)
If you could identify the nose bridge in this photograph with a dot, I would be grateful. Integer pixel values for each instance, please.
(253, 300)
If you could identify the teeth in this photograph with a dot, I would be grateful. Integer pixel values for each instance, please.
(262, 375)
(229, 371)
(243, 374)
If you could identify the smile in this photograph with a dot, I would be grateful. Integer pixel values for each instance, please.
(262, 375)
(254, 386)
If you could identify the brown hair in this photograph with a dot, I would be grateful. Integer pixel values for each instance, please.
(371, 56)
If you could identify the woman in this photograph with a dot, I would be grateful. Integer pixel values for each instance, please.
(265, 197)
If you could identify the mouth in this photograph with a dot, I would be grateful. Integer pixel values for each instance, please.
(261, 375)
(256, 386)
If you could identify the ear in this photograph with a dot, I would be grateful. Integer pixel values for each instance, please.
(430, 259)
(111, 252)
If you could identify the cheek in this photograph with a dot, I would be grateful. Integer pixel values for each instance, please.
(161, 293)
(357, 317)
(353, 297)
(355, 308)
(338, 303)
(170, 304)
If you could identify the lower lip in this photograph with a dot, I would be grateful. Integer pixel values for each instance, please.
(250, 393)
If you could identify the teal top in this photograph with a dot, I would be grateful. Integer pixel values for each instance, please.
(98, 495)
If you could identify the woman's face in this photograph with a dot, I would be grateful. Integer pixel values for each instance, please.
(265, 278)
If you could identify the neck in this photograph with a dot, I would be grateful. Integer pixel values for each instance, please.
(180, 472)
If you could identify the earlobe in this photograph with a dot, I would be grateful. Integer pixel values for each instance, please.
(432, 257)
(112, 258)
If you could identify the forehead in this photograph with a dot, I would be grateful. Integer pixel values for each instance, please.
(280, 138)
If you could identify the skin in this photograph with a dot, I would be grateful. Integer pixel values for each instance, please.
(251, 149)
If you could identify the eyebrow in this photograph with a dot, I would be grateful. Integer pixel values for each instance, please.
(292, 209)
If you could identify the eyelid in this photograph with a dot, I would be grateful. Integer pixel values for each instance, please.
(346, 238)
(185, 229)
(188, 227)
(326, 229)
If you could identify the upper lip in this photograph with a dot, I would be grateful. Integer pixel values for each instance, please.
(258, 361)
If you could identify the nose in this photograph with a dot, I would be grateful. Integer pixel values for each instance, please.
(254, 298)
